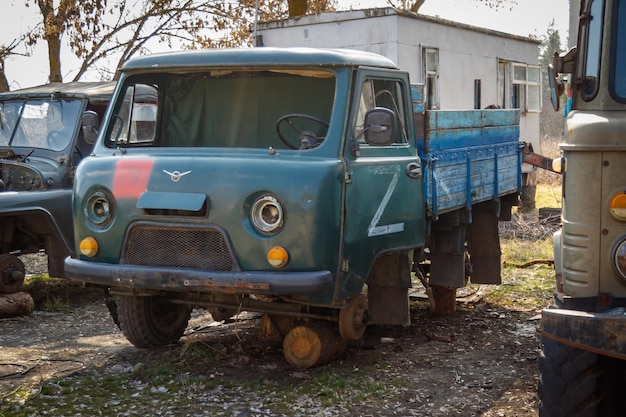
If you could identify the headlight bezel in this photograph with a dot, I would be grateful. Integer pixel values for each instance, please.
(267, 214)
(619, 259)
(99, 208)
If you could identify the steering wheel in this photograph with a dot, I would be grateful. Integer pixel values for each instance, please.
(55, 140)
(308, 139)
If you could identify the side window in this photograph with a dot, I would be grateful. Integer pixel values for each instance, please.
(430, 73)
(382, 93)
(593, 48)
(136, 118)
(618, 72)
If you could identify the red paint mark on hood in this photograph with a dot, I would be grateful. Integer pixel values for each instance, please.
(131, 177)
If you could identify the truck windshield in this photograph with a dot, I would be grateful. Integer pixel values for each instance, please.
(38, 123)
(619, 70)
(228, 109)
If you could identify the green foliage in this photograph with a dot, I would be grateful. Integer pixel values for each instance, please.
(550, 44)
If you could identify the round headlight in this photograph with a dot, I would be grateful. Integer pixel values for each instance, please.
(98, 208)
(267, 214)
(619, 259)
(617, 206)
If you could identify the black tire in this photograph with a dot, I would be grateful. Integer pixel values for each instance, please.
(150, 321)
(222, 313)
(12, 273)
(576, 383)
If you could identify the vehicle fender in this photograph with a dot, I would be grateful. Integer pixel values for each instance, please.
(54, 205)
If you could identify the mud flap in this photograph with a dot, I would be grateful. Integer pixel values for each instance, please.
(484, 245)
(387, 290)
(447, 252)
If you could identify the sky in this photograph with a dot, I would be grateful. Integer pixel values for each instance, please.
(527, 17)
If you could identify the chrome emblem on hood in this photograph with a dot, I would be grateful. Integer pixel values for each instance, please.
(176, 175)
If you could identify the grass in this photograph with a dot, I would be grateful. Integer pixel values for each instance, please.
(167, 386)
(525, 286)
(56, 294)
(548, 195)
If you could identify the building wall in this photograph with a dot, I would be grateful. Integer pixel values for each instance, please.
(466, 53)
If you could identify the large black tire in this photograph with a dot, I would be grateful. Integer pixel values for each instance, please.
(150, 321)
(222, 313)
(577, 383)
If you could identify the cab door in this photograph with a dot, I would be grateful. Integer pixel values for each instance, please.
(383, 206)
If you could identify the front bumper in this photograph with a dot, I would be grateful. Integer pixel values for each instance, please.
(310, 285)
(602, 333)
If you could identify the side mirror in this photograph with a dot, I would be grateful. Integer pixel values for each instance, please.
(556, 88)
(91, 124)
(561, 64)
(380, 127)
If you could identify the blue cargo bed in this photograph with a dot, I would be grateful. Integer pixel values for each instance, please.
(469, 156)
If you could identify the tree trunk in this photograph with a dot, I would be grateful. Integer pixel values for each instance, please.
(54, 57)
(53, 28)
(16, 304)
(4, 83)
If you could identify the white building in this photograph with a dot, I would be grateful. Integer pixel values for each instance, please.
(462, 66)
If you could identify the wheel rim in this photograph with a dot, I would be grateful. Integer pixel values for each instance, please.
(165, 317)
(12, 273)
(353, 319)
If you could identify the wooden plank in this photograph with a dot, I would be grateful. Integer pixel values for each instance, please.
(446, 182)
(466, 119)
(443, 140)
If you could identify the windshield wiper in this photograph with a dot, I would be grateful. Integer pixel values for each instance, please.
(25, 157)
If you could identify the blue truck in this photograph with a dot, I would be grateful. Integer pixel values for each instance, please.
(309, 185)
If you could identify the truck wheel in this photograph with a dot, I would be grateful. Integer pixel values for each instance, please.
(222, 313)
(12, 273)
(575, 382)
(353, 318)
(150, 321)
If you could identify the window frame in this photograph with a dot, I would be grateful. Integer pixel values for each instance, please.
(432, 98)
(526, 85)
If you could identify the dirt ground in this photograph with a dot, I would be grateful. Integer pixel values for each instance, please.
(480, 362)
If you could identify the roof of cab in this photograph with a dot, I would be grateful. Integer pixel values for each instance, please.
(257, 57)
(95, 91)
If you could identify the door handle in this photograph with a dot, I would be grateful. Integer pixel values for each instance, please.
(413, 170)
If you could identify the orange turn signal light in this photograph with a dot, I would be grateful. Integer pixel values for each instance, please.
(89, 247)
(617, 206)
(277, 257)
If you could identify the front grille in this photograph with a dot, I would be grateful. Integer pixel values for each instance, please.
(178, 247)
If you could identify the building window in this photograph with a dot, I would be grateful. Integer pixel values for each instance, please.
(526, 88)
(430, 69)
